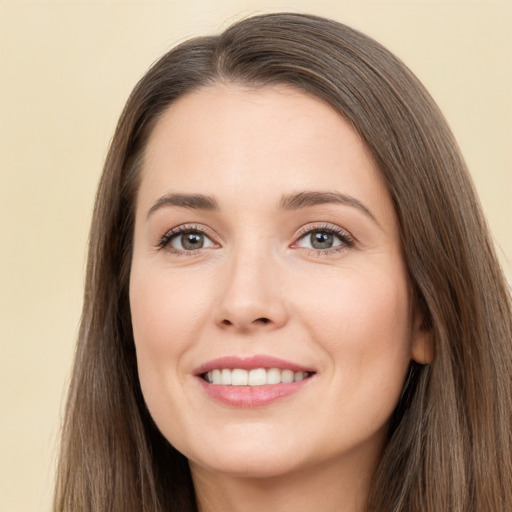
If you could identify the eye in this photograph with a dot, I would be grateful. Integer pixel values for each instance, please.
(320, 240)
(190, 240)
(325, 239)
(186, 239)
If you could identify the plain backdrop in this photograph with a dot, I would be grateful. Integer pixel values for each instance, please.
(66, 69)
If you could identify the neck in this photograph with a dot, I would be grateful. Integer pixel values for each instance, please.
(326, 488)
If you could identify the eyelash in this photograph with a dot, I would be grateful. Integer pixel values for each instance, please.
(165, 241)
(346, 239)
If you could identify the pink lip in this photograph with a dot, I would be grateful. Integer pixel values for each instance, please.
(250, 396)
(250, 363)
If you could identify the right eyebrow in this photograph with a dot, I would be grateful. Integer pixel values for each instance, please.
(308, 199)
(191, 201)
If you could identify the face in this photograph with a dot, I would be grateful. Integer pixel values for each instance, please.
(269, 297)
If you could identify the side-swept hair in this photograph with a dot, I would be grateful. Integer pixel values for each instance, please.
(449, 446)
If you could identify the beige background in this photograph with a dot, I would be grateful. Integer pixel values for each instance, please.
(66, 69)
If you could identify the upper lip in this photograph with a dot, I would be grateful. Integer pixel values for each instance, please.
(250, 363)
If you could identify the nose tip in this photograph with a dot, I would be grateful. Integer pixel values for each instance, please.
(248, 316)
(250, 298)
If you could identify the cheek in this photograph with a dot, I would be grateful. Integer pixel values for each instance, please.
(165, 310)
(354, 303)
(362, 321)
(165, 320)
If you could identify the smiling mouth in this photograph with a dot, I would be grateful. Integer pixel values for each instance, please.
(254, 377)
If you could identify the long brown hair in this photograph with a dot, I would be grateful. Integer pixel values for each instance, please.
(450, 439)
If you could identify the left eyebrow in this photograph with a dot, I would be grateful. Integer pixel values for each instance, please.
(191, 201)
(314, 198)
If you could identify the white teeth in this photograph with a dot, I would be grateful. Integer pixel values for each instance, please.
(239, 377)
(287, 376)
(258, 377)
(255, 377)
(216, 376)
(273, 376)
(225, 377)
(298, 376)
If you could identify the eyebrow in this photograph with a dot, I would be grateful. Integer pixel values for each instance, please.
(287, 203)
(309, 199)
(191, 201)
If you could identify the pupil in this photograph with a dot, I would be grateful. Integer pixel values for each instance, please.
(321, 240)
(192, 240)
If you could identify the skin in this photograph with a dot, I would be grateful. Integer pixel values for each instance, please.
(258, 286)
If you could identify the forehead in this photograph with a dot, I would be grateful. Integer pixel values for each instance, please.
(270, 141)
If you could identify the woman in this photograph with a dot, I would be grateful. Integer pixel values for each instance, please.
(292, 299)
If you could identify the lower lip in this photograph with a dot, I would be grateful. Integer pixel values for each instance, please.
(251, 396)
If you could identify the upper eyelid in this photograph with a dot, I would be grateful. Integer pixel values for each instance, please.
(164, 239)
(333, 228)
(183, 228)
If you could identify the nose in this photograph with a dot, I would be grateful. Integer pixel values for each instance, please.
(250, 296)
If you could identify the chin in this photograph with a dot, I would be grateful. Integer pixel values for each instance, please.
(245, 467)
(250, 460)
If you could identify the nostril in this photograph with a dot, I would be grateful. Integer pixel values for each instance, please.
(245, 325)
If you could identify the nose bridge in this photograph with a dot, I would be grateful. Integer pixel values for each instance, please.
(250, 295)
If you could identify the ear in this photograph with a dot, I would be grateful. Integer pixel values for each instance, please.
(422, 348)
